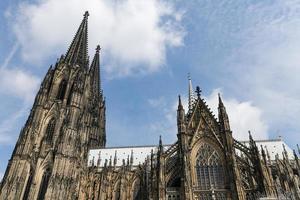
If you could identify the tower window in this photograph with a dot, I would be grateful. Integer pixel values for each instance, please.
(44, 184)
(50, 130)
(70, 95)
(62, 90)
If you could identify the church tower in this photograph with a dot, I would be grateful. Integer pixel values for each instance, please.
(66, 120)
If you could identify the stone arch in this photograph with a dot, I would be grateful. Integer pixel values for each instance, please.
(43, 174)
(173, 178)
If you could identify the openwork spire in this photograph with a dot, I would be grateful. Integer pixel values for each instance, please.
(220, 101)
(95, 71)
(77, 52)
(191, 93)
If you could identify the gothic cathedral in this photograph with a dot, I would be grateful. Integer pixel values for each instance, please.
(61, 154)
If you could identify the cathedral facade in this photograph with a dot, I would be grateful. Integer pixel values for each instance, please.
(61, 154)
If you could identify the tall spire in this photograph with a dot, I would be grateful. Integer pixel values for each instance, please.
(191, 93)
(77, 52)
(95, 71)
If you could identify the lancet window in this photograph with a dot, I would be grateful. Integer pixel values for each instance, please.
(50, 130)
(209, 169)
(44, 184)
(62, 90)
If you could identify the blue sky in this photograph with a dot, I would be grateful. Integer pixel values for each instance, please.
(247, 50)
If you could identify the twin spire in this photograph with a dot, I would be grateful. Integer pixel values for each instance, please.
(78, 53)
(78, 50)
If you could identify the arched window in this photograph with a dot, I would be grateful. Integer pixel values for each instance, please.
(209, 169)
(44, 184)
(28, 184)
(117, 190)
(70, 95)
(62, 90)
(50, 130)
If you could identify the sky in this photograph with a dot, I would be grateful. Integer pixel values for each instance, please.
(249, 51)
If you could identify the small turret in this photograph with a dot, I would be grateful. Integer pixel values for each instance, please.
(95, 73)
(160, 146)
(223, 117)
(180, 116)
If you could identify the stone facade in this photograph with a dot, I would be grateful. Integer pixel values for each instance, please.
(67, 121)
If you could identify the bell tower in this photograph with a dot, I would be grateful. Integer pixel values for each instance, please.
(66, 120)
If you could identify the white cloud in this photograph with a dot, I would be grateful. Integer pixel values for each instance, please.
(243, 116)
(257, 46)
(18, 83)
(8, 125)
(134, 34)
(15, 83)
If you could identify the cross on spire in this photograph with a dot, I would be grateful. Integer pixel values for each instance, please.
(98, 48)
(198, 92)
(86, 14)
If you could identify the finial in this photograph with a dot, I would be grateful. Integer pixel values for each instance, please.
(110, 161)
(298, 148)
(131, 158)
(198, 92)
(285, 152)
(220, 100)
(249, 132)
(99, 159)
(115, 158)
(268, 155)
(295, 154)
(160, 141)
(98, 48)
(93, 161)
(179, 103)
(86, 14)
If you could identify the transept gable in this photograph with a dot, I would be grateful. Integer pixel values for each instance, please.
(203, 123)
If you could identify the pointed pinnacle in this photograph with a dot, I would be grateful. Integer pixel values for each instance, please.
(98, 48)
(86, 14)
(250, 136)
(160, 141)
(179, 103)
(295, 154)
(220, 100)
